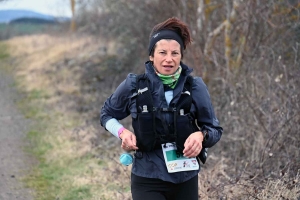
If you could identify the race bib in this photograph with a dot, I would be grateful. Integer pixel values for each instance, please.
(175, 161)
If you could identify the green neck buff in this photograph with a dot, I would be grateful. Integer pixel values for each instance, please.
(170, 80)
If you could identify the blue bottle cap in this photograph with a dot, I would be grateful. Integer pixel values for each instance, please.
(126, 159)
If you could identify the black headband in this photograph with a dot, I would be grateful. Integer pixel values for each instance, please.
(164, 34)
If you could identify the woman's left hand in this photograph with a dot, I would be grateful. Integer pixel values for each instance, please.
(193, 144)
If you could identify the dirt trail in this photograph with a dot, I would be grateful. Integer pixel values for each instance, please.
(14, 162)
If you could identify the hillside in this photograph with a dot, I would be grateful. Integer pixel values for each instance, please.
(6, 16)
(23, 22)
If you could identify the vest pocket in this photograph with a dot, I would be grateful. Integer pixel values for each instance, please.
(145, 134)
(184, 129)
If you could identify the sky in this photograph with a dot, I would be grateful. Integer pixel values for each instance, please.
(57, 8)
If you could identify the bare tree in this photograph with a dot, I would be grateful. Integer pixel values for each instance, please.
(73, 22)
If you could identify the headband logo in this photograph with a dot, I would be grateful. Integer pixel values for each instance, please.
(154, 36)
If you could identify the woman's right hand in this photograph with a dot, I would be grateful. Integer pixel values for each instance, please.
(128, 140)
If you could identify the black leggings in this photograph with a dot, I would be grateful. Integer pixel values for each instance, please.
(156, 189)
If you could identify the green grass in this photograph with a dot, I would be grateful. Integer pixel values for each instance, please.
(31, 105)
(37, 94)
(78, 193)
(4, 55)
(48, 178)
(35, 137)
(3, 51)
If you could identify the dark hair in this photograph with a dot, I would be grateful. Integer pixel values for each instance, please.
(176, 25)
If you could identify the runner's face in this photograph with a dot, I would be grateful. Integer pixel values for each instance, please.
(166, 57)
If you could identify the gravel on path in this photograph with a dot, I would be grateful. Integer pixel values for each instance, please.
(15, 163)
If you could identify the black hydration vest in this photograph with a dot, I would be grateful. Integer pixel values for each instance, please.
(151, 129)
